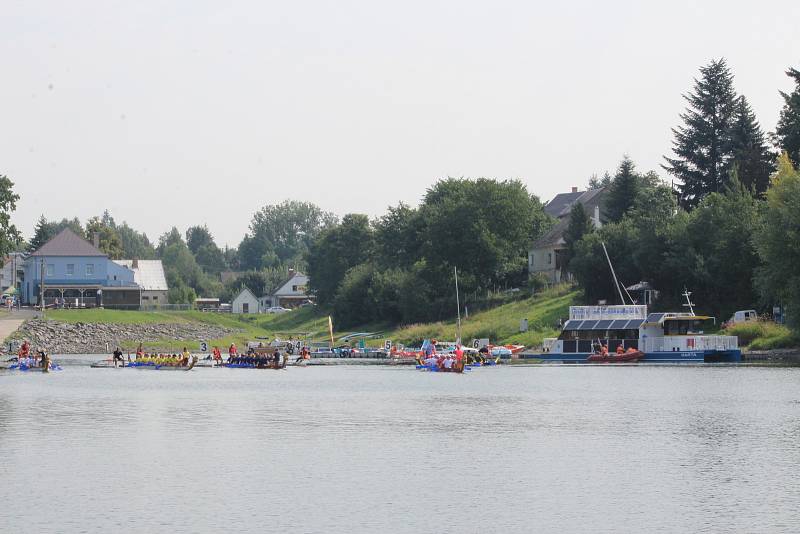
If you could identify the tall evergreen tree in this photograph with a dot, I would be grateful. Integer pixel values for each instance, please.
(702, 145)
(750, 156)
(580, 224)
(787, 133)
(43, 232)
(622, 192)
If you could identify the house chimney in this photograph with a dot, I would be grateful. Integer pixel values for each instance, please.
(96, 240)
(135, 263)
(574, 189)
(291, 273)
(596, 217)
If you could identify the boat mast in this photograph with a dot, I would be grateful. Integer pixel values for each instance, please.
(689, 304)
(458, 308)
(616, 282)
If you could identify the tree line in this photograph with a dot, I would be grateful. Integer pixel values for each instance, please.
(730, 230)
(727, 229)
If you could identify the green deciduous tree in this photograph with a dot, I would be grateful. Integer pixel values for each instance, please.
(210, 259)
(702, 144)
(337, 250)
(10, 237)
(135, 244)
(483, 227)
(197, 237)
(282, 234)
(787, 132)
(110, 241)
(778, 241)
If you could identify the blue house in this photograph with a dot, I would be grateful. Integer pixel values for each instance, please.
(77, 273)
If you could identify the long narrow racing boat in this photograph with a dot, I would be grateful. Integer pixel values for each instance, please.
(155, 367)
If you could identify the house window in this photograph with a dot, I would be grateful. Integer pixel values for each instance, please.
(70, 269)
(155, 297)
(89, 269)
(294, 288)
(549, 258)
(51, 269)
(145, 298)
(245, 308)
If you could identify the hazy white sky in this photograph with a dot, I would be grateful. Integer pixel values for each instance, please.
(187, 112)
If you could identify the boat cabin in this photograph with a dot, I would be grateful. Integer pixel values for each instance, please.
(607, 325)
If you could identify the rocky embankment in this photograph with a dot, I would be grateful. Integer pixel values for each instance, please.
(94, 338)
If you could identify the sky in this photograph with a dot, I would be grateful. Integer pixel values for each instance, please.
(196, 112)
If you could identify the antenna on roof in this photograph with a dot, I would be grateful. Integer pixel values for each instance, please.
(689, 304)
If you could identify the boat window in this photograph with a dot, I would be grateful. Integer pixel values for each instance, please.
(682, 328)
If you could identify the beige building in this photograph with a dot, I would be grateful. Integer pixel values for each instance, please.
(149, 276)
(547, 253)
(245, 302)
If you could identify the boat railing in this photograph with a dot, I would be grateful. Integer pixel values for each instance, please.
(690, 343)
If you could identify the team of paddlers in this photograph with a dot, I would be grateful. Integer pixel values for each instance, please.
(450, 361)
(160, 360)
(28, 359)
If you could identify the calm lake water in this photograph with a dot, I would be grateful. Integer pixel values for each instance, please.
(384, 449)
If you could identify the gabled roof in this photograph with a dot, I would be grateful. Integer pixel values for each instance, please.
(67, 243)
(560, 202)
(285, 283)
(149, 274)
(553, 236)
(589, 199)
(242, 292)
(561, 205)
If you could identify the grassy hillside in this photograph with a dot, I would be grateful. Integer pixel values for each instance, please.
(498, 324)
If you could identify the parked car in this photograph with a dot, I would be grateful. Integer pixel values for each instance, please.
(277, 309)
(741, 316)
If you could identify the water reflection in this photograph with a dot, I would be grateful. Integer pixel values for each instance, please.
(547, 449)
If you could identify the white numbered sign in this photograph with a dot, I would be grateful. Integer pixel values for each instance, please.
(203, 346)
(387, 345)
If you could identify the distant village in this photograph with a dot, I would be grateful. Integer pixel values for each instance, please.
(70, 272)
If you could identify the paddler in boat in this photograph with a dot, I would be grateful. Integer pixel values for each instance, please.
(276, 358)
(232, 351)
(118, 357)
(217, 355)
(24, 350)
(44, 360)
(185, 357)
(304, 355)
(139, 351)
(448, 363)
(620, 350)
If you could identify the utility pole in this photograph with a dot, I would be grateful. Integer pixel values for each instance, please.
(41, 287)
